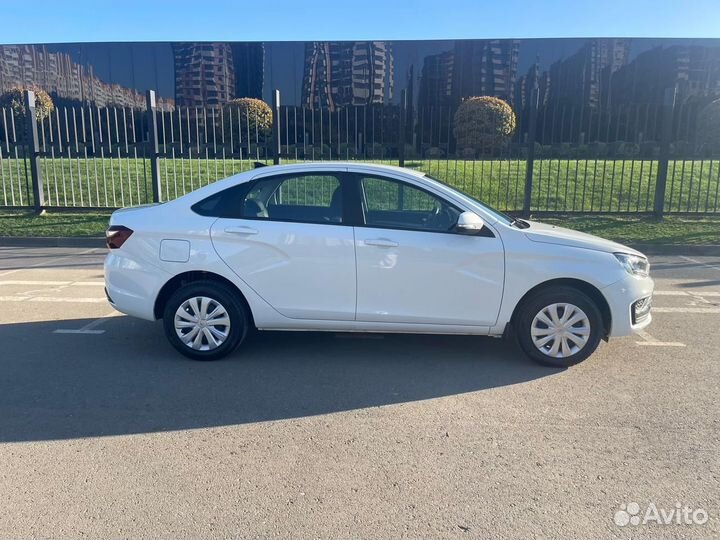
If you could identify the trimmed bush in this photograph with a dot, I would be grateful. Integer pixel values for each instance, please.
(319, 151)
(376, 151)
(253, 113)
(410, 151)
(434, 152)
(346, 151)
(13, 99)
(629, 149)
(483, 123)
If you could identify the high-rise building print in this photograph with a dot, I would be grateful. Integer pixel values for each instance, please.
(204, 74)
(436, 79)
(584, 79)
(525, 84)
(338, 74)
(485, 68)
(249, 69)
(693, 72)
(63, 78)
(470, 68)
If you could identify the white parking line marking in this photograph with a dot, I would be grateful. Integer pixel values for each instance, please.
(700, 262)
(90, 327)
(668, 293)
(80, 300)
(685, 310)
(8, 272)
(54, 283)
(654, 342)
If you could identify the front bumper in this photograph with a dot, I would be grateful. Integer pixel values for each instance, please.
(622, 296)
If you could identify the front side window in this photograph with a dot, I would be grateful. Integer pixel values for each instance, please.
(309, 198)
(396, 205)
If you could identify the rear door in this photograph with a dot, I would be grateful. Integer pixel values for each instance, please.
(290, 244)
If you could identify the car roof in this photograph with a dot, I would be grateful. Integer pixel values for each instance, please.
(330, 165)
(269, 170)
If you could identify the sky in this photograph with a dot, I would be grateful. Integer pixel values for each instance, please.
(58, 21)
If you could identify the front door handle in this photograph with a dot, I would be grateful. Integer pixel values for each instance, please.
(241, 230)
(381, 242)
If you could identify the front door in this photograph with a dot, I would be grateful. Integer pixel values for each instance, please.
(411, 267)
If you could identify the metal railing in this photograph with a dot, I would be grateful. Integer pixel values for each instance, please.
(630, 159)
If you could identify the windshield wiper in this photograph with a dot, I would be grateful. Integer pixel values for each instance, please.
(519, 223)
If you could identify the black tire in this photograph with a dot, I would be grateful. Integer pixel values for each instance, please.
(221, 295)
(535, 304)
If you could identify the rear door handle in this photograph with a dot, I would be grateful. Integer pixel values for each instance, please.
(241, 230)
(381, 242)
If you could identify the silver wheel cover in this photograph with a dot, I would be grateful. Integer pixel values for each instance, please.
(560, 330)
(202, 323)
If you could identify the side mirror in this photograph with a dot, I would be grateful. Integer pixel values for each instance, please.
(469, 223)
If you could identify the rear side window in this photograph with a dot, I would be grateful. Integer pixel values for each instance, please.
(224, 204)
(307, 198)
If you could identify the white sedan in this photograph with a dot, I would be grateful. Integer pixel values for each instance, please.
(350, 247)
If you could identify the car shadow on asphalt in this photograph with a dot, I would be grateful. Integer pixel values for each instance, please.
(129, 380)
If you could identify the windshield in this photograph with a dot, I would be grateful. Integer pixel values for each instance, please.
(500, 216)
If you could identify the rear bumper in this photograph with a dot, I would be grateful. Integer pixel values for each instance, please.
(620, 297)
(132, 285)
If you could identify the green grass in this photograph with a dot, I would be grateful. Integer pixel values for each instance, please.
(646, 230)
(628, 230)
(24, 223)
(558, 185)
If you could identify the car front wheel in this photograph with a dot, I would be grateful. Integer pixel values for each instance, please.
(205, 320)
(559, 327)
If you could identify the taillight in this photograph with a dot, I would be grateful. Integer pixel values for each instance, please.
(116, 235)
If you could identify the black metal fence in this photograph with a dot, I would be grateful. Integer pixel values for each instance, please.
(628, 159)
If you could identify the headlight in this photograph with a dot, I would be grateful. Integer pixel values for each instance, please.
(634, 264)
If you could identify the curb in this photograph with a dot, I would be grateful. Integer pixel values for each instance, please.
(52, 241)
(96, 242)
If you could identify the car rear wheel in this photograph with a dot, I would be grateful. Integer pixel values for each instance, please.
(205, 320)
(559, 327)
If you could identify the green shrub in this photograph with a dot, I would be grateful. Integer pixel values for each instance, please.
(434, 152)
(681, 149)
(562, 149)
(410, 151)
(580, 151)
(288, 151)
(253, 113)
(650, 149)
(483, 123)
(346, 151)
(629, 149)
(13, 99)
(375, 151)
(598, 149)
(319, 151)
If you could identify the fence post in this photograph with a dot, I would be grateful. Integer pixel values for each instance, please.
(401, 135)
(276, 127)
(154, 147)
(664, 157)
(530, 163)
(34, 151)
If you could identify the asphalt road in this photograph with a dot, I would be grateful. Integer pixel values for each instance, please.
(106, 432)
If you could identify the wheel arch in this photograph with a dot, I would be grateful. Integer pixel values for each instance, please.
(193, 276)
(583, 286)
